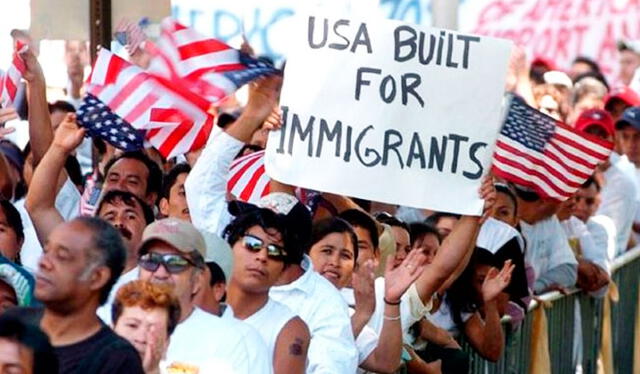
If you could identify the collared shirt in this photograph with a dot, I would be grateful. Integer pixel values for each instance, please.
(332, 349)
(619, 203)
(549, 253)
(217, 345)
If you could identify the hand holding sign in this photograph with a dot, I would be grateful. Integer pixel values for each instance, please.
(389, 112)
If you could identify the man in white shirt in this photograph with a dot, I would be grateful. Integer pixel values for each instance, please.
(548, 250)
(628, 140)
(172, 253)
(332, 349)
(601, 228)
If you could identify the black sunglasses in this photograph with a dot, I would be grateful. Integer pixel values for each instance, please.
(255, 244)
(173, 263)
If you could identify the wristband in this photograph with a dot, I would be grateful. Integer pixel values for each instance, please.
(390, 303)
(387, 318)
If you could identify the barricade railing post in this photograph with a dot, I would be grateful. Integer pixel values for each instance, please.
(561, 325)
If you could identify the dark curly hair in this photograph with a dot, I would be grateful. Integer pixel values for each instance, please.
(267, 219)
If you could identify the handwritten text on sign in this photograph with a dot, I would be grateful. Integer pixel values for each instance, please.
(389, 112)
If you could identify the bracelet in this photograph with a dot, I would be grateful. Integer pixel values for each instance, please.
(390, 303)
(387, 318)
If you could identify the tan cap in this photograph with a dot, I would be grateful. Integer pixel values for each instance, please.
(179, 234)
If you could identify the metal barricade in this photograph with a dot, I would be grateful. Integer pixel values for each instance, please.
(623, 313)
(561, 324)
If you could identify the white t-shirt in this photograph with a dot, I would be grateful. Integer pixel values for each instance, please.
(268, 322)
(619, 203)
(548, 248)
(217, 345)
(104, 312)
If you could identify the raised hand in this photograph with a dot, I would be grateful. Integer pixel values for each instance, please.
(397, 281)
(488, 194)
(496, 281)
(274, 121)
(69, 135)
(154, 351)
(263, 97)
(33, 72)
(363, 283)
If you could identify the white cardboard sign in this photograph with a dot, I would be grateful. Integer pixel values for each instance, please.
(390, 112)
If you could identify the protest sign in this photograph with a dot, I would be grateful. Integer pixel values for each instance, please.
(390, 112)
(558, 30)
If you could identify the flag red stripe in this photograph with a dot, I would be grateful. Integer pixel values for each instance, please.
(174, 138)
(201, 47)
(125, 92)
(203, 134)
(248, 190)
(10, 87)
(141, 108)
(517, 180)
(560, 147)
(266, 190)
(245, 158)
(546, 166)
(236, 177)
(576, 172)
(152, 132)
(116, 64)
(580, 147)
(214, 69)
(530, 171)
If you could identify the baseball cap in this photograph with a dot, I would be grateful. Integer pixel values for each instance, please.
(179, 234)
(218, 251)
(595, 117)
(558, 78)
(19, 279)
(631, 116)
(543, 61)
(624, 94)
(629, 45)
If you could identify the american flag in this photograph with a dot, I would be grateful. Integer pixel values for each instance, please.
(131, 35)
(248, 180)
(10, 80)
(176, 121)
(100, 121)
(207, 66)
(536, 151)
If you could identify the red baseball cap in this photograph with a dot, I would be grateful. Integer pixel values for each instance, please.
(595, 117)
(623, 93)
(543, 61)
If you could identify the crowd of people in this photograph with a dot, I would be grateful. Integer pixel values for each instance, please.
(126, 262)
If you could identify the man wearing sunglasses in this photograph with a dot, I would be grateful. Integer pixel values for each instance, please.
(172, 253)
(263, 245)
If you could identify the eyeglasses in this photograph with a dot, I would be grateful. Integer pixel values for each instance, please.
(255, 244)
(174, 264)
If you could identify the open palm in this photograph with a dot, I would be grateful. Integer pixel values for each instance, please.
(398, 280)
(496, 281)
